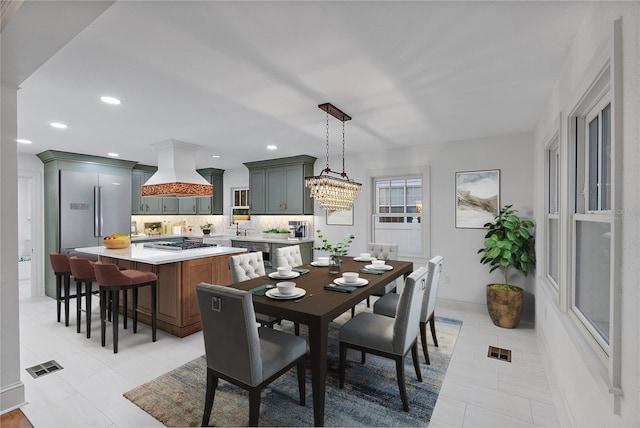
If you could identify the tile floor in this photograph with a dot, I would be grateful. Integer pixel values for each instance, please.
(477, 391)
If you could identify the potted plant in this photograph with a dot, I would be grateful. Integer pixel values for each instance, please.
(335, 250)
(277, 233)
(508, 243)
(206, 228)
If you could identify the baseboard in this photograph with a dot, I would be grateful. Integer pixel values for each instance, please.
(12, 397)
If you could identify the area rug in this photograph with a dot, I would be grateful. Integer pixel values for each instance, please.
(370, 397)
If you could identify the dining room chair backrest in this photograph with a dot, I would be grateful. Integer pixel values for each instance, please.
(383, 251)
(82, 268)
(406, 325)
(429, 304)
(246, 266)
(288, 256)
(231, 340)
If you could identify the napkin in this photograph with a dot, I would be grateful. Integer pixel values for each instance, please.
(372, 271)
(341, 288)
(301, 271)
(260, 290)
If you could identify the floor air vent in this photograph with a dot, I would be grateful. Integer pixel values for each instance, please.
(499, 354)
(44, 369)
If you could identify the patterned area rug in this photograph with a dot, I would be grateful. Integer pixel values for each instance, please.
(370, 397)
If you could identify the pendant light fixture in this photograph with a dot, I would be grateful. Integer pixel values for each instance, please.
(333, 193)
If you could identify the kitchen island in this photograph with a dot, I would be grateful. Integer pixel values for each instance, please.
(178, 274)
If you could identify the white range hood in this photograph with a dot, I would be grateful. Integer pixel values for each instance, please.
(176, 175)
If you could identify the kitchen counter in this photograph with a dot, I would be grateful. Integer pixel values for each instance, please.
(140, 253)
(149, 238)
(255, 238)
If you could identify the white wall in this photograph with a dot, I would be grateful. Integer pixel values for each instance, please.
(578, 381)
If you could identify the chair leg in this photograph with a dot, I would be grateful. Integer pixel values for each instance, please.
(353, 311)
(368, 302)
(212, 384)
(125, 298)
(103, 315)
(296, 328)
(58, 294)
(363, 358)
(423, 339)
(301, 383)
(432, 322)
(254, 406)
(401, 386)
(154, 286)
(343, 361)
(78, 305)
(67, 287)
(88, 305)
(116, 316)
(134, 308)
(416, 361)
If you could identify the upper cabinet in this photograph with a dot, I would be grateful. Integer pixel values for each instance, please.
(277, 185)
(173, 205)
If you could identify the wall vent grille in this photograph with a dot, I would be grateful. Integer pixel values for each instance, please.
(499, 354)
(44, 369)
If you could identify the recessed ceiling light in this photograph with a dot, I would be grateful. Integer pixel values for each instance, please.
(58, 125)
(21, 141)
(272, 147)
(110, 100)
(215, 156)
(113, 155)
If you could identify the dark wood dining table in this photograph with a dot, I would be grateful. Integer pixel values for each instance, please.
(318, 308)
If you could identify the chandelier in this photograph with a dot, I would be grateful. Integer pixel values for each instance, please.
(333, 193)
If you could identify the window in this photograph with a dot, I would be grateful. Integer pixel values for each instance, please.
(592, 221)
(240, 204)
(399, 213)
(552, 217)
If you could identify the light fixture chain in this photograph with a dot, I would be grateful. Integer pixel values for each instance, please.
(327, 113)
(343, 173)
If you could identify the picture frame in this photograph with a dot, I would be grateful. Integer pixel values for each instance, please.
(477, 198)
(340, 218)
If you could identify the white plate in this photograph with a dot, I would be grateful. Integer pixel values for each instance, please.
(359, 283)
(384, 267)
(363, 259)
(318, 264)
(274, 293)
(275, 275)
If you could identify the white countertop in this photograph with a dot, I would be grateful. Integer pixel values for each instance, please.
(153, 256)
(289, 241)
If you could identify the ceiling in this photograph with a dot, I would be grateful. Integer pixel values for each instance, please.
(234, 77)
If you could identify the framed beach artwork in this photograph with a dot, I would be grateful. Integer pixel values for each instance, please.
(340, 218)
(477, 198)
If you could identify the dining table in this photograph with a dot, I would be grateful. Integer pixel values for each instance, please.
(319, 306)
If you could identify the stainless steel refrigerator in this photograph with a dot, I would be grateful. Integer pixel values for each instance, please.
(92, 206)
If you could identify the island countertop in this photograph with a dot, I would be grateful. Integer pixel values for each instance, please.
(140, 253)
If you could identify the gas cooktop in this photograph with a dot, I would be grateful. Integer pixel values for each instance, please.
(177, 246)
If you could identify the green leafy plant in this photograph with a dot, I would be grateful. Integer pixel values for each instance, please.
(508, 243)
(276, 230)
(206, 226)
(339, 248)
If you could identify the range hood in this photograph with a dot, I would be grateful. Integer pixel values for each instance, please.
(176, 175)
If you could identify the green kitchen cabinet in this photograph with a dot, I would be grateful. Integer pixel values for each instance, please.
(139, 205)
(277, 185)
(212, 205)
(188, 205)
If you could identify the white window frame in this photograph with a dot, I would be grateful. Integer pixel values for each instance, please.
(552, 208)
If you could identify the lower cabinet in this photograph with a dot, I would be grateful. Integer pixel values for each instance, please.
(176, 301)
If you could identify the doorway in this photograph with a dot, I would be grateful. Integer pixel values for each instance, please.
(30, 251)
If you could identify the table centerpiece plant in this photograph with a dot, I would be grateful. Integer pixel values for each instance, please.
(335, 251)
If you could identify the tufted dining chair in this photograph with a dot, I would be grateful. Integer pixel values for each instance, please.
(387, 304)
(388, 337)
(248, 266)
(288, 256)
(381, 252)
(241, 353)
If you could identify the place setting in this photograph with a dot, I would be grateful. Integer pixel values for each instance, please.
(321, 262)
(286, 290)
(364, 257)
(284, 272)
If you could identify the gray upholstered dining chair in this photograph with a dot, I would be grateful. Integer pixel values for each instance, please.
(389, 337)
(241, 353)
(381, 252)
(288, 256)
(248, 266)
(386, 305)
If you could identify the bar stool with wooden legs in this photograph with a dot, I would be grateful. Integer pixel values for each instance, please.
(62, 270)
(111, 281)
(84, 274)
